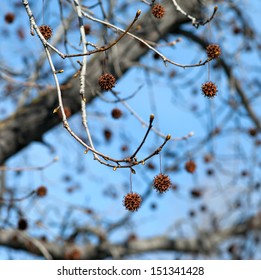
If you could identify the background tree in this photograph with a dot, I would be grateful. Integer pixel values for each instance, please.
(153, 75)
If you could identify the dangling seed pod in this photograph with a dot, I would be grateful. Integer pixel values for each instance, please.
(158, 11)
(116, 113)
(190, 166)
(22, 224)
(107, 134)
(107, 81)
(213, 51)
(209, 89)
(161, 183)
(132, 201)
(9, 18)
(41, 191)
(46, 31)
(87, 29)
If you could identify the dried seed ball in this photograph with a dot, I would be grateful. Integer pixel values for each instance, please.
(132, 237)
(151, 166)
(22, 224)
(203, 208)
(132, 201)
(208, 158)
(161, 183)
(46, 31)
(107, 81)
(107, 134)
(116, 113)
(87, 29)
(196, 193)
(156, 56)
(41, 191)
(190, 166)
(213, 51)
(124, 148)
(252, 132)
(20, 33)
(209, 89)
(210, 172)
(158, 11)
(192, 213)
(9, 18)
(244, 173)
(74, 254)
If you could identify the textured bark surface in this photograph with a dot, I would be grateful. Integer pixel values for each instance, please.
(30, 122)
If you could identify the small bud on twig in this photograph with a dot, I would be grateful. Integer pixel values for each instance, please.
(138, 13)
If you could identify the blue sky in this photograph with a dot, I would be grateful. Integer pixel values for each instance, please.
(170, 101)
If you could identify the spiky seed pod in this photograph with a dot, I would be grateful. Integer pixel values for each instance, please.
(132, 237)
(107, 134)
(252, 132)
(116, 113)
(209, 89)
(210, 172)
(158, 11)
(132, 201)
(203, 208)
(87, 29)
(73, 254)
(190, 166)
(161, 183)
(9, 18)
(46, 31)
(192, 213)
(124, 148)
(196, 193)
(22, 224)
(107, 81)
(41, 191)
(208, 158)
(151, 166)
(213, 51)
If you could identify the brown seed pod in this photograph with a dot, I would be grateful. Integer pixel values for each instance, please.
(208, 158)
(9, 18)
(132, 237)
(73, 254)
(87, 29)
(132, 201)
(107, 134)
(41, 191)
(190, 166)
(116, 113)
(161, 183)
(22, 224)
(213, 51)
(209, 89)
(107, 81)
(252, 132)
(192, 213)
(158, 11)
(46, 31)
(196, 193)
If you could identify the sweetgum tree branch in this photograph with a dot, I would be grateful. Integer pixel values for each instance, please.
(228, 70)
(31, 121)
